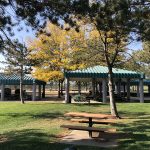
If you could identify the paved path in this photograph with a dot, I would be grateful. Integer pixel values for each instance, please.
(82, 138)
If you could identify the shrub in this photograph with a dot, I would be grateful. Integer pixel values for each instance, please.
(79, 98)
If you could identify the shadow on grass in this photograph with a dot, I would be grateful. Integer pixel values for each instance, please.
(133, 136)
(51, 115)
(34, 140)
(139, 132)
(135, 115)
(91, 104)
(29, 140)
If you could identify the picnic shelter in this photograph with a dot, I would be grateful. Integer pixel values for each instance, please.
(14, 79)
(98, 75)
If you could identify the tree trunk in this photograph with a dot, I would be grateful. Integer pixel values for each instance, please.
(59, 89)
(21, 85)
(113, 107)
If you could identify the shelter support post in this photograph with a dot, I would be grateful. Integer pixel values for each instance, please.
(138, 92)
(128, 89)
(43, 93)
(79, 87)
(104, 87)
(86, 86)
(33, 92)
(61, 87)
(100, 87)
(96, 85)
(141, 89)
(2, 92)
(119, 87)
(148, 88)
(93, 86)
(124, 89)
(116, 90)
(39, 92)
(67, 90)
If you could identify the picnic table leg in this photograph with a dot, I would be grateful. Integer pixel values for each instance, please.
(90, 125)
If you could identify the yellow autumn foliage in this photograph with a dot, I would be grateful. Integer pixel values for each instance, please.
(46, 75)
(55, 51)
(60, 50)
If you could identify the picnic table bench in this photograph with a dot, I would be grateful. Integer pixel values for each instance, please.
(95, 121)
(94, 129)
(90, 122)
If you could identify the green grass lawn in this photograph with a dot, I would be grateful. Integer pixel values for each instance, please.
(36, 125)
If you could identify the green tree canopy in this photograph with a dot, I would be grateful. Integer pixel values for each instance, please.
(114, 19)
(140, 60)
(18, 61)
(36, 12)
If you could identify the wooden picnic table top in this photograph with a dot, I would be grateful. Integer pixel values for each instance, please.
(89, 115)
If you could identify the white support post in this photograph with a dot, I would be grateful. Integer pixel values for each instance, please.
(67, 90)
(104, 87)
(2, 92)
(141, 89)
(39, 92)
(128, 89)
(116, 89)
(33, 92)
(98, 87)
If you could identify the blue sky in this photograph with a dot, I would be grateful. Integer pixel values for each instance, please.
(21, 36)
(135, 46)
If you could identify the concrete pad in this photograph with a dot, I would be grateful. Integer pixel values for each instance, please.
(82, 138)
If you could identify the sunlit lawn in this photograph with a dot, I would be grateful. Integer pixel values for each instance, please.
(36, 125)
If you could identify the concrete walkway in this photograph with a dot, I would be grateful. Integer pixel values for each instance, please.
(82, 138)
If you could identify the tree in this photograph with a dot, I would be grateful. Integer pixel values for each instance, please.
(32, 12)
(55, 49)
(119, 17)
(35, 13)
(140, 60)
(115, 20)
(17, 59)
(111, 20)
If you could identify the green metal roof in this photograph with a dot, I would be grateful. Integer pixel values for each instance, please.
(102, 72)
(136, 82)
(15, 80)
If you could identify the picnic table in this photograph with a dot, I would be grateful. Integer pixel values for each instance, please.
(90, 121)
